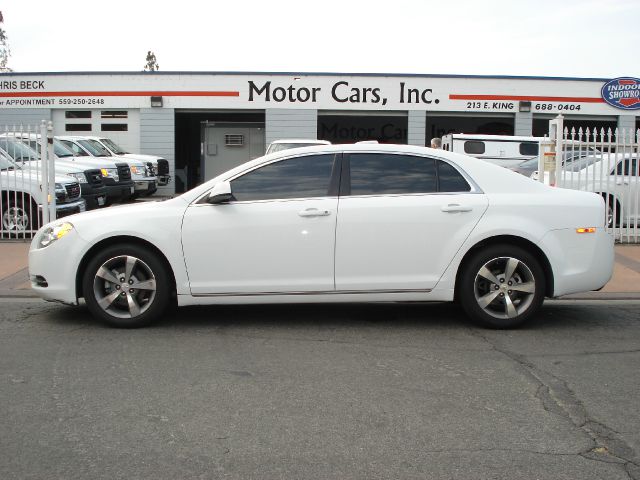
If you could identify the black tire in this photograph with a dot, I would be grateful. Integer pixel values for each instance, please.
(496, 303)
(613, 205)
(147, 271)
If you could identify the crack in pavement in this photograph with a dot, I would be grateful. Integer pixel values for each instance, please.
(557, 398)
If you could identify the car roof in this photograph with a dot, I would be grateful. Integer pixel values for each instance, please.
(301, 140)
(487, 176)
(486, 137)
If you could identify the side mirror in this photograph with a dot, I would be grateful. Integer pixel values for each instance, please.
(221, 193)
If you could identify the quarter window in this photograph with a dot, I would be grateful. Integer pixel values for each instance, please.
(300, 177)
(450, 180)
(386, 174)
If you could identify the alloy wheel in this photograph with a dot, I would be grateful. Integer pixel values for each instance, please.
(504, 287)
(124, 286)
(15, 219)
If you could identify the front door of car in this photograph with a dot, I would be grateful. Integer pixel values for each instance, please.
(401, 220)
(276, 235)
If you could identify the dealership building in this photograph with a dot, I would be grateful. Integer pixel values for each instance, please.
(204, 123)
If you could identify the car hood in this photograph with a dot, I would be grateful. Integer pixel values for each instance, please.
(142, 158)
(30, 176)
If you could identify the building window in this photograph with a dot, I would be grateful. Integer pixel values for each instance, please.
(77, 127)
(114, 114)
(77, 114)
(114, 127)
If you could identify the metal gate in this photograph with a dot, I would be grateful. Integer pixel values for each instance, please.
(27, 180)
(599, 161)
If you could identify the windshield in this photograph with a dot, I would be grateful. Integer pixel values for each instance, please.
(573, 152)
(533, 163)
(5, 164)
(579, 163)
(95, 148)
(75, 149)
(18, 151)
(58, 148)
(276, 147)
(113, 146)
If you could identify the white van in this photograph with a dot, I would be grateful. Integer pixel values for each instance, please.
(504, 150)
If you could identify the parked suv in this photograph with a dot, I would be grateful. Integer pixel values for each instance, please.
(158, 166)
(22, 197)
(143, 180)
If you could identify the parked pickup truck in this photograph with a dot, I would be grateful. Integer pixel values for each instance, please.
(158, 166)
(22, 197)
(24, 149)
(144, 182)
(115, 185)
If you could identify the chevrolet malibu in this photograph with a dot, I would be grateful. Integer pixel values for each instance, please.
(334, 223)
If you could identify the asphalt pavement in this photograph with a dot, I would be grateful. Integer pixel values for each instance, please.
(334, 391)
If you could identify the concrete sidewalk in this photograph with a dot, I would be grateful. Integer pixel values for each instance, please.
(625, 284)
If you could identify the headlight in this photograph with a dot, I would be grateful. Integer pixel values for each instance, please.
(60, 188)
(80, 177)
(53, 233)
(134, 169)
(110, 172)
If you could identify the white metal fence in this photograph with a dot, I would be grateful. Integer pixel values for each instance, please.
(27, 180)
(601, 161)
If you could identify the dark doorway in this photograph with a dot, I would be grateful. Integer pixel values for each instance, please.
(541, 125)
(360, 127)
(439, 125)
(188, 141)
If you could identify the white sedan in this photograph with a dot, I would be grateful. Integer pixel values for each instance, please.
(334, 223)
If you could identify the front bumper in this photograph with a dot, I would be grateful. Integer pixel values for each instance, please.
(55, 266)
(64, 209)
(95, 197)
(145, 186)
(120, 191)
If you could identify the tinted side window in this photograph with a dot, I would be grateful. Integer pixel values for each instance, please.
(473, 146)
(529, 148)
(627, 167)
(450, 179)
(384, 174)
(300, 177)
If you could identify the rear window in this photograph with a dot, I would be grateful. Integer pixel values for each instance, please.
(474, 147)
(528, 148)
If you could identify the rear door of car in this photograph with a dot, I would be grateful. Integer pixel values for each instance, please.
(401, 220)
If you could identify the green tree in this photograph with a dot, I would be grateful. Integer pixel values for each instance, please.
(152, 63)
(5, 52)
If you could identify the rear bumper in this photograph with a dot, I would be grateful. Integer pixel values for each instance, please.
(580, 262)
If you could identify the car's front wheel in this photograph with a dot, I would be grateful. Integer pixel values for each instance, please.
(126, 286)
(501, 286)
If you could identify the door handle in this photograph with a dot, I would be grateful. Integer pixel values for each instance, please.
(454, 208)
(314, 212)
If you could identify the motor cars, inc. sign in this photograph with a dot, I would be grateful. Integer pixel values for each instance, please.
(622, 93)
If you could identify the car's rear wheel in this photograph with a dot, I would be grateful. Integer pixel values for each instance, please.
(126, 286)
(501, 286)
